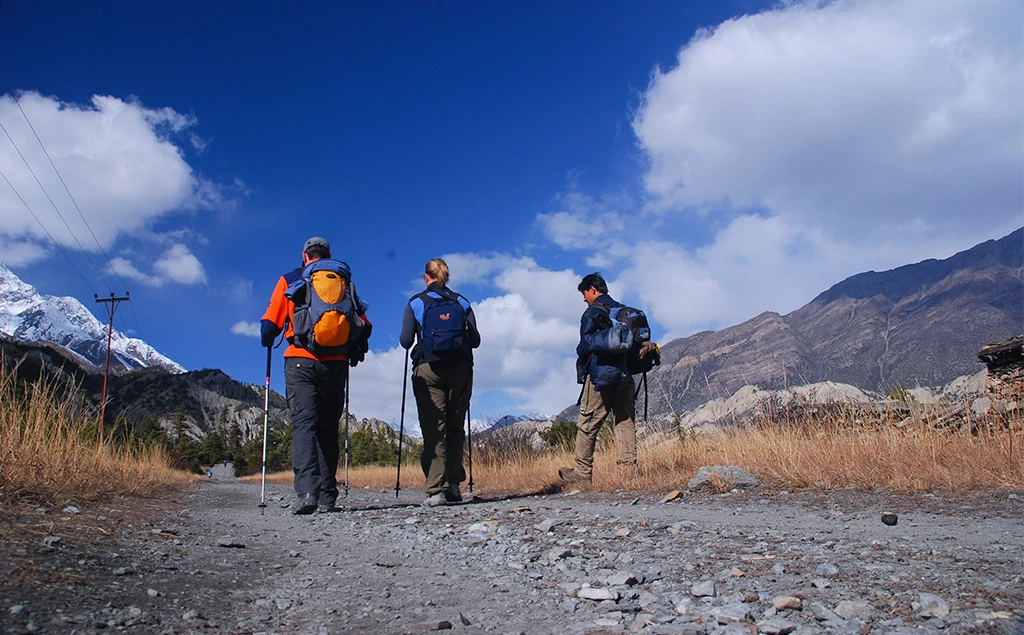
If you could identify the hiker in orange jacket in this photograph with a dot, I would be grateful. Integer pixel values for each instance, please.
(316, 369)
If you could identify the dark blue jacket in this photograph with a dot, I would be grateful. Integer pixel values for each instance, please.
(599, 355)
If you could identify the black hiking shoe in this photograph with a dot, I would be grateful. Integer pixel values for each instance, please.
(304, 505)
(569, 475)
(452, 494)
(327, 508)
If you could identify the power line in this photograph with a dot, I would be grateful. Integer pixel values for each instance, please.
(52, 204)
(56, 244)
(62, 182)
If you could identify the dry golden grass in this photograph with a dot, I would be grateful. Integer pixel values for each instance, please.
(848, 452)
(48, 454)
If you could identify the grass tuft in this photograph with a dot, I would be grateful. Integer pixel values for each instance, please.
(49, 451)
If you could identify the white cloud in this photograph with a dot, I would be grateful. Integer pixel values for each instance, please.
(124, 268)
(865, 117)
(376, 389)
(117, 158)
(248, 329)
(179, 265)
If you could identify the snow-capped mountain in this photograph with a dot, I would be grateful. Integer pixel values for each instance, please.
(28, 316)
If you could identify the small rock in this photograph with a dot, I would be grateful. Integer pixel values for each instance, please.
(597, 595)
(848, 609)
(71, 509)
(121, 571)
(190, 615)
(442, 625)
(932, 605)
(621, 578)
(462, 618)
(820, 583)
(890, 519)
(18, 609)
(671, 496)
(821, 613)
(230, 543)
(782, 602)
(606, 621)
(731, 613)
(412, 520)
(705, 589)
(737, 572)
(753, 597)
(152, 593)
(545, 525)
(622, 533)
(50, 541)
(776, 626)
(827, 570)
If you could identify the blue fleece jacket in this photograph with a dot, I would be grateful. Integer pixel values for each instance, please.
(601, 353)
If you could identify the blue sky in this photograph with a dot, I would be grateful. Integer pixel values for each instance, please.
(714, 160)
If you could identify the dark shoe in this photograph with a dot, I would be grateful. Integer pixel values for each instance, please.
(452, 494)
(569, 475)
(327, 508)
(304, 505)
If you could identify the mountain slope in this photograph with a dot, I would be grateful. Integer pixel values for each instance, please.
(28, 316)
(920, 324)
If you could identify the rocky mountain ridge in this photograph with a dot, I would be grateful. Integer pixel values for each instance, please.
(916, 325)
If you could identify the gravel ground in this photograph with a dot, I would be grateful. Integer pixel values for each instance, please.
(205, 560)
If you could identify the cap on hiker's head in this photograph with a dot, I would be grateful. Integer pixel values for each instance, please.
(316, 240)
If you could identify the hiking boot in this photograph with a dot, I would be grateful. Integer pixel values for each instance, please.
(452, 494)
(327, 508)
(304, 505)
(435, 500)
(569, 475)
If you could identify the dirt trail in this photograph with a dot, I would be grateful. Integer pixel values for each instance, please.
(206, 560)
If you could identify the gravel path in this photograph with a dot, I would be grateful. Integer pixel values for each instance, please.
(207, 561)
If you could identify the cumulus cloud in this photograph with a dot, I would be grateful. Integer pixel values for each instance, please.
(248, 329)
(177, 264)
(118, 158)
(866, 117)
(817, 140)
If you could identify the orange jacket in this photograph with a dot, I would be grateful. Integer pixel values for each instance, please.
(279, 313)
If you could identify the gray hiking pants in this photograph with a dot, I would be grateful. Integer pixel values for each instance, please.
(442, 398)
(316, 396)
(594, 407)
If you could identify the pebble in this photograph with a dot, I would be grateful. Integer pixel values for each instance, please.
(50, 541)
(703, 589)
(597, 595)
(889, 519)
(71, 509)
(782, 602)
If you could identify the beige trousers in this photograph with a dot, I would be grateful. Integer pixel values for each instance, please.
(594, 407)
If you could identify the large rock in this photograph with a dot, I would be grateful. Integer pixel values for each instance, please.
(721, 478)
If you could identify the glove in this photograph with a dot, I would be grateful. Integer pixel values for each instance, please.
(268, 333)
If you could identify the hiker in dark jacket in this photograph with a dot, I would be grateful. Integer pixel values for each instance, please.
(607, 385)
(444, 328)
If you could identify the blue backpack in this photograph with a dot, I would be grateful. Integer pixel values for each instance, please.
(326, 319)
(443, 325)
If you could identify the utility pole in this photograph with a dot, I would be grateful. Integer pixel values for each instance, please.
(112, 301)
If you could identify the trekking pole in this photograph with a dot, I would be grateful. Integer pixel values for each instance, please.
(266, 420)
(347, 388)
(469, 429)
(401, 424)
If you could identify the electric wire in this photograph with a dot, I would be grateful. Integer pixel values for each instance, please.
(62, 182)
(56, 244)
(54, 205)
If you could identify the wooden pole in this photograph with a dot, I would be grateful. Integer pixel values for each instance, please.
(112, 301)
